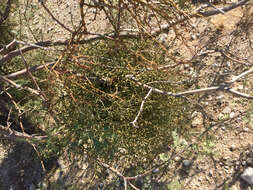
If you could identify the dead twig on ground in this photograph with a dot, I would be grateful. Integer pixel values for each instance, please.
(235, 60)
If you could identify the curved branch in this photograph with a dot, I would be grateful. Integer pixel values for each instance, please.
(240, 76)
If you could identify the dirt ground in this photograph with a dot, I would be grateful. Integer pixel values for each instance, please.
(228, 149)
(233, 140)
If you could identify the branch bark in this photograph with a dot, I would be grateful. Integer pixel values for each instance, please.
(223, 87)
(10, 134)
(30, 69)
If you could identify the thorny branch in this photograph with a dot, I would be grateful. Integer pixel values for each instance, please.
(224, 87)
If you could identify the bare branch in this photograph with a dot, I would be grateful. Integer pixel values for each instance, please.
(126, 179)
(223, 87)
(19, 86)
(141, 108)
(30, 69)
(10, 134)
(42, 95)
(240, 94)
(8, 47)
(225, 9)
(235, 60)
(19, 111)
(240, 76)
(30, 47)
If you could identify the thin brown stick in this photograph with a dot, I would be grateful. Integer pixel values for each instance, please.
(119, 174)
(40, 157)
(17, 108)
(42, 95)
(235, 60)
(8, 47)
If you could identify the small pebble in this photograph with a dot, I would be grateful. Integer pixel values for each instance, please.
(232, 114)
(193, 37)
(200, 179)
(249, 161)
(232, 147)
(220, 97)
(155, 170)
(227, 110)
(186, 66)
(223, 128)
(186, 163)
(247, 175)
(163, 37)
(250, 154)
(245, 129)
(101, 185)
